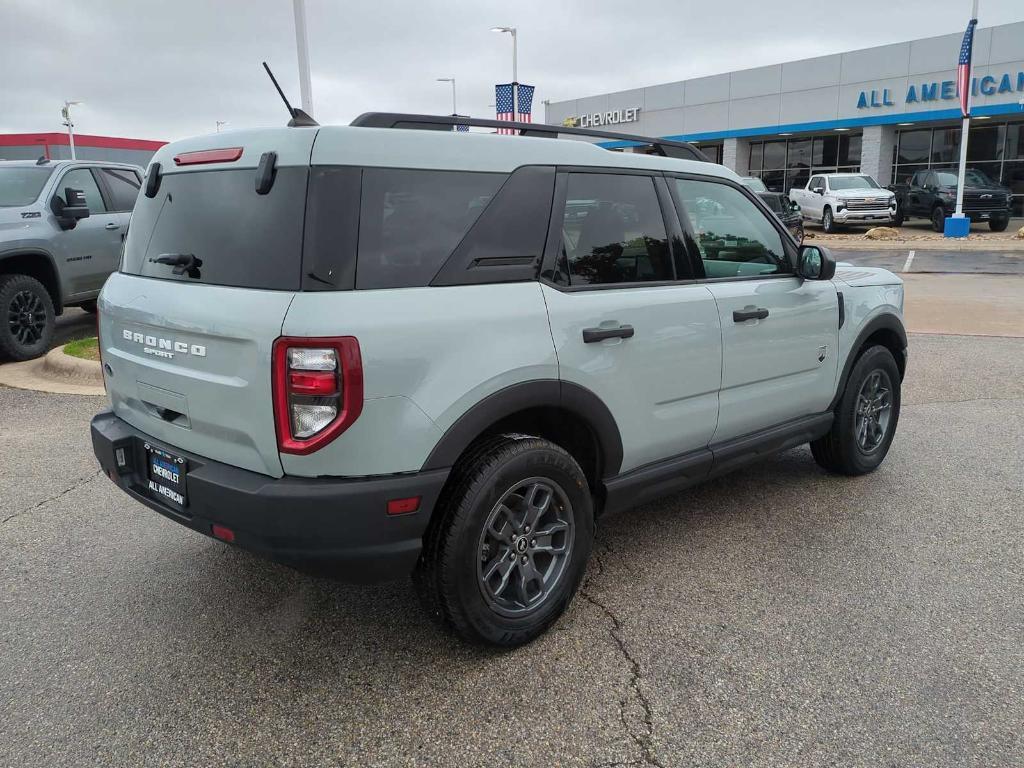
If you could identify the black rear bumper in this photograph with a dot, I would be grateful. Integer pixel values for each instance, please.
(337, 525)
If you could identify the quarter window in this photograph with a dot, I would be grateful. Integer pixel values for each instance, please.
(410, 222)
(124, 187)
(613, 230)
(81, 178)
(734, 236)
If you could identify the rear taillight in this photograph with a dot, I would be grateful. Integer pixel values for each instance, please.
(318, 390)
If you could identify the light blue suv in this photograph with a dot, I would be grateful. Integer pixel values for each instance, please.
(387, 351)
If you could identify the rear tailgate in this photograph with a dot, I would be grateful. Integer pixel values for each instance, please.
(209, 270)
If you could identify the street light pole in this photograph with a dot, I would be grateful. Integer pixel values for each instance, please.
(220, 123)
(515, 66)
(302, 48)
(451, 80)
(66, 114)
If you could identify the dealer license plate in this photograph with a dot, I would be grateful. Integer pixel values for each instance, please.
(166, 477)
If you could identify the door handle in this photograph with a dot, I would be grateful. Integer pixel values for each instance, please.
(741, 315)
(591, 335)
(111, 225)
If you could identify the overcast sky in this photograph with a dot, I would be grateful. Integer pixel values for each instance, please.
(165, 70)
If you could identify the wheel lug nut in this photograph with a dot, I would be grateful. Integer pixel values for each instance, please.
(523, 561)
(527, 529)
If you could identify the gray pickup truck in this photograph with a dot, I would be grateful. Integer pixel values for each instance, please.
(62, 225)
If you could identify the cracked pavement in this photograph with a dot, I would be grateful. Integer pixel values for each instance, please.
(776, 617)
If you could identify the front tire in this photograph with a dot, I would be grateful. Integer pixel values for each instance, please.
(26, 318)
(510, 543)
(828, 222)
(865, 418)
(998, 225)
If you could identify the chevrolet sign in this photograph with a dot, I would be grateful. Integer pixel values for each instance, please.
(598, 119)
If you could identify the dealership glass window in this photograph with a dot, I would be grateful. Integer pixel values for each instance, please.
(849, 150)
(756, 156)
(826, 152)
(796, 178)
(915, 146)
(774, 180)
(991, 148)
(985, 143)
(713, 151)
(774, 154)
(798, 154)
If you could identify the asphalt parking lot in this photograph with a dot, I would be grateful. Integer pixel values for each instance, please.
(776, 617)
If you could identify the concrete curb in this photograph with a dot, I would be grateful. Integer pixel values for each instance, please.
(56, 373)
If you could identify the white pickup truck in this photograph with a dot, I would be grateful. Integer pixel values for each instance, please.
(834, 199)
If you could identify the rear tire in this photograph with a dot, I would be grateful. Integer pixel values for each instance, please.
(938, 218)
(865, 418)
(496, 568)
(998, 225)
(26, 318)
(828, 222)
(897, 219)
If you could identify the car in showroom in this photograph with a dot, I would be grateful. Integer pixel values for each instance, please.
(931, 195)
(837, 199)
(393, 349)
(62, 224)
(787, 211)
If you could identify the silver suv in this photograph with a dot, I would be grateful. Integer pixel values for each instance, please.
(389, 351)
(62, 225)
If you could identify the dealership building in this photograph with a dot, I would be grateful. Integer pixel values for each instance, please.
(57, 146)
(886, 111)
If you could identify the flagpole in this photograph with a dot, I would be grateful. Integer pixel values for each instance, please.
(964, 133)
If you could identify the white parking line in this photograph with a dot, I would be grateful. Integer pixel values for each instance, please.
(908, 262)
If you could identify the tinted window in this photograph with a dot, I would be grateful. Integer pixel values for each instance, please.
(81, 178)
(613, 230)
(124, 187)
(734, 236)
(20, 185)
(241, 238)
(817, 181)
(411, 221)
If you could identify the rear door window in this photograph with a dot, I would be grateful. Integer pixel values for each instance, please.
(613, 230)
(235, 236)
(410, 221)
(123, 184)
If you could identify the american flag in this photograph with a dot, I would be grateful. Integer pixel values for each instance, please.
(963, 72)
(506, 110)
(459, 126)
(503, 104)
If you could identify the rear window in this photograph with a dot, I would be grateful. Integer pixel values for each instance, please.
(21, 185)
(410, 221)
(235, 236)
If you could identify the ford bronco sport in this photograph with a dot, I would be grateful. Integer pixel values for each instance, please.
(399, 351)
(61, 229)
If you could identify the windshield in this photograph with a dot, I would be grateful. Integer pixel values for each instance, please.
(754, 183)
(21, 185)
(973, 178)
(852, 182)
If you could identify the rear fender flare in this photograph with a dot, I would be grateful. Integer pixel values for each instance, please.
(522, 396)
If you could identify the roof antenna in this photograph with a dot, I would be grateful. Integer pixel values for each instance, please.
(299, 118)
(43, 160)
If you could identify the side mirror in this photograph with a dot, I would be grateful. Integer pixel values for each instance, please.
(794, 205)
(818, 190)
(815, 263)
(70, 208)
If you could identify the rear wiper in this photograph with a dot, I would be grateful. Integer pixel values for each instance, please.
(183, 263)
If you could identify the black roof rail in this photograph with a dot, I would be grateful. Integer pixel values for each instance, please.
(663, 147)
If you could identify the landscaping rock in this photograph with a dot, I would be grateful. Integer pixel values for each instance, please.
(1020, 234)
(882, 233)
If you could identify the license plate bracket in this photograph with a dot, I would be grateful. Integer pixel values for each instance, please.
(166, 477)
